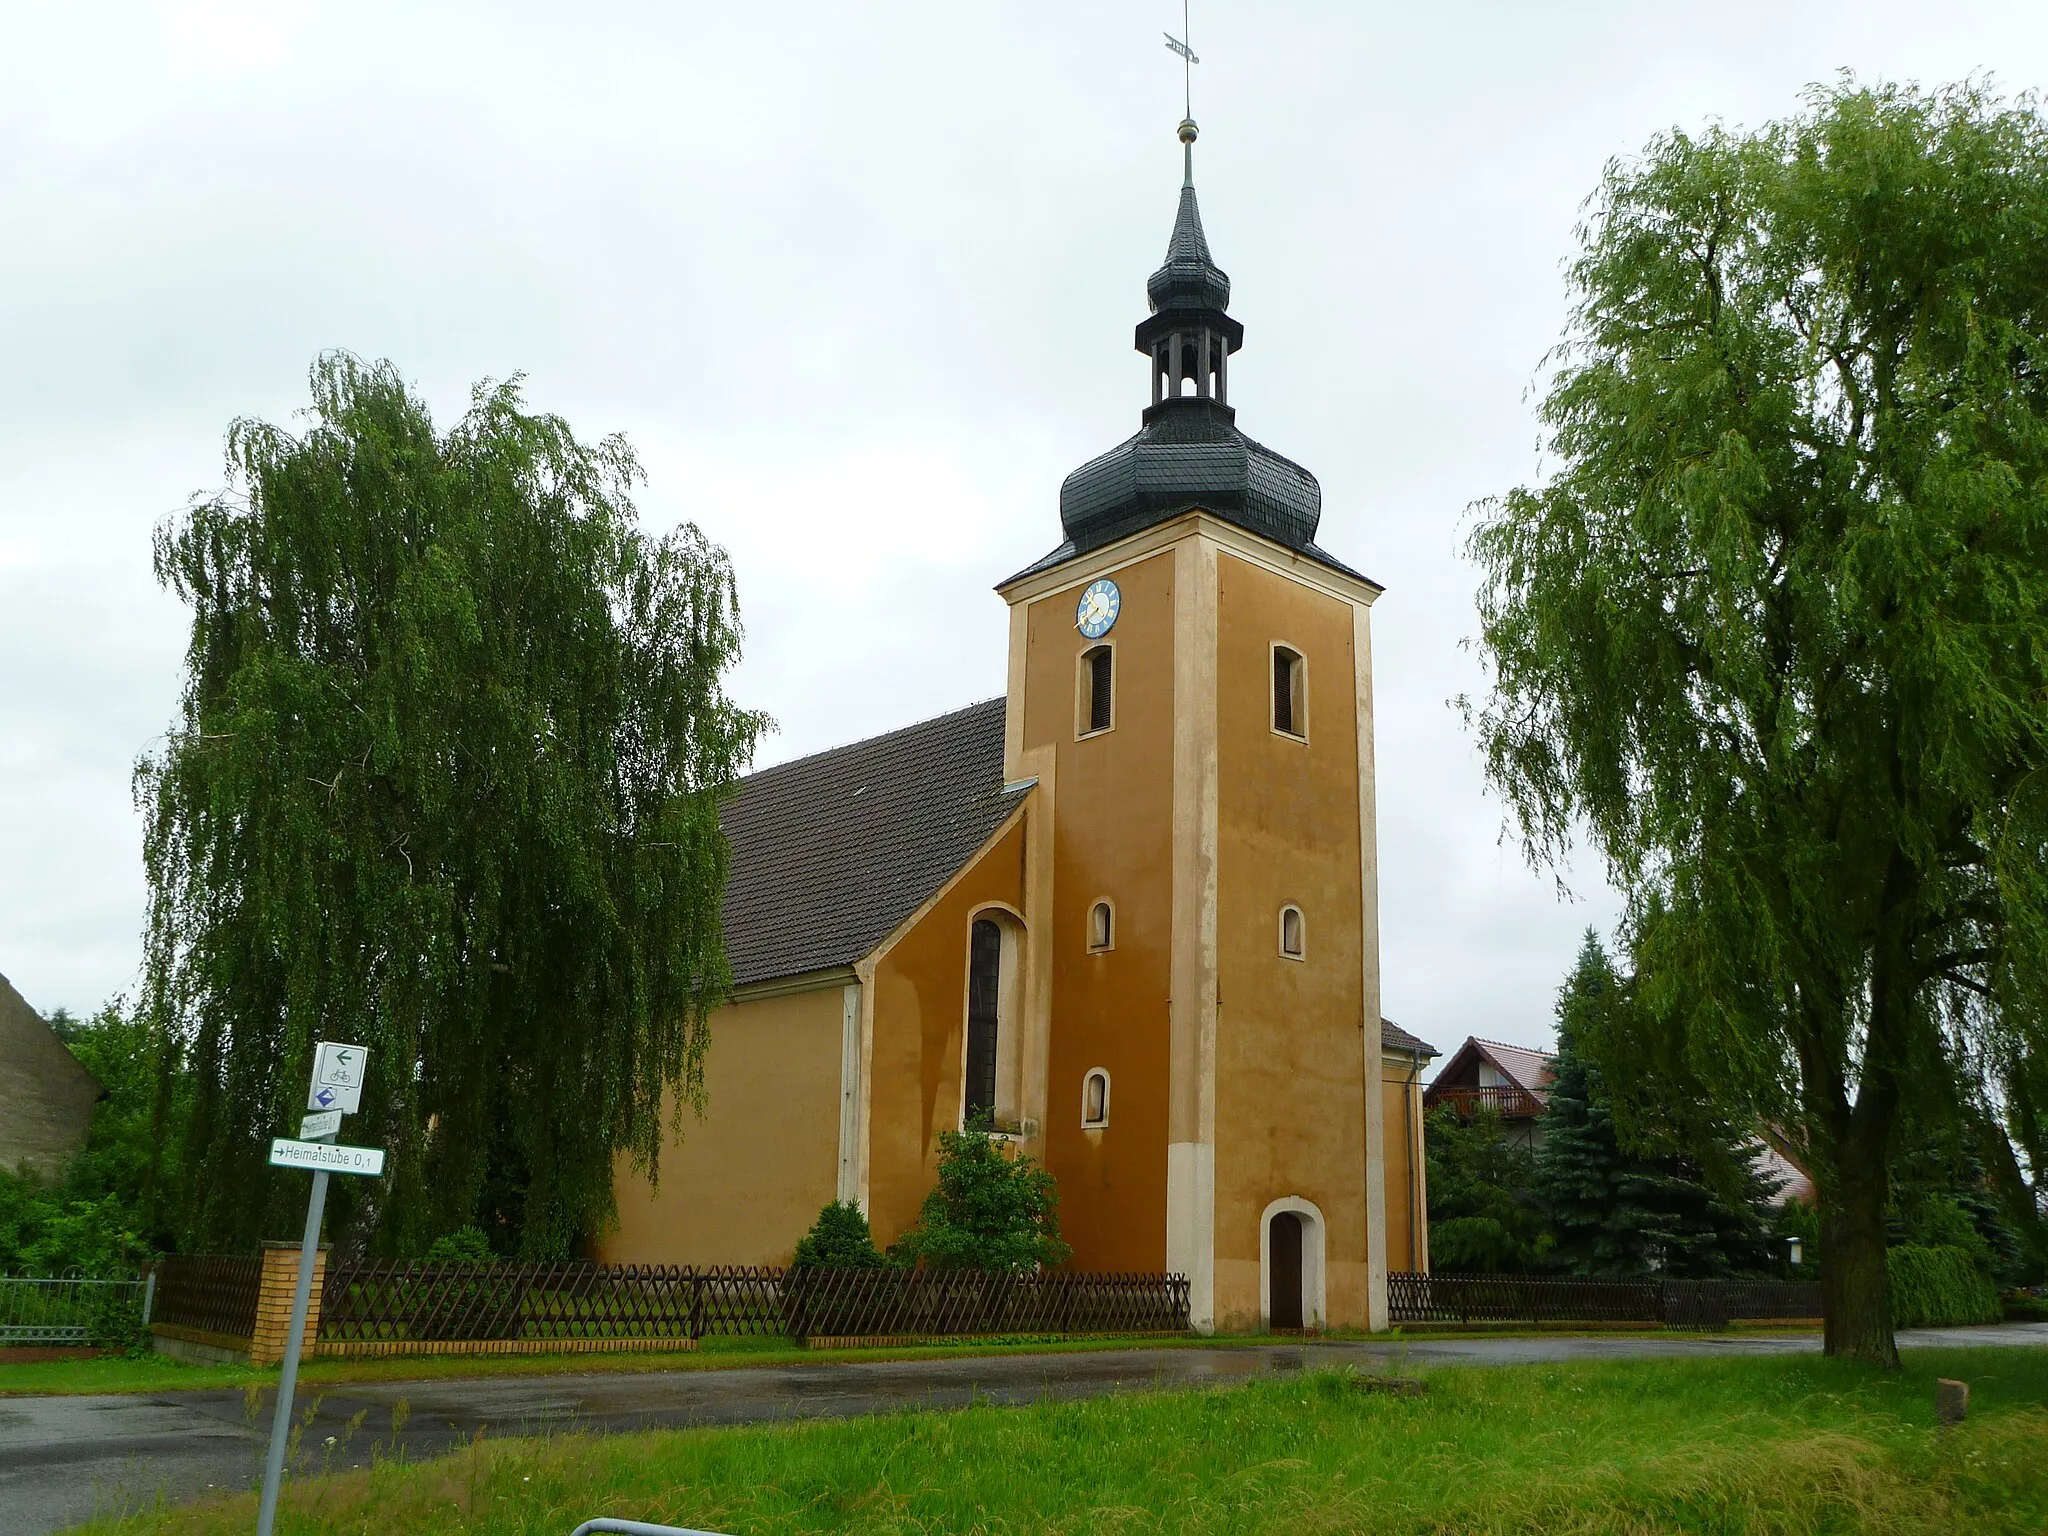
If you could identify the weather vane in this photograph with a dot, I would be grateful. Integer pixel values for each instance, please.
(1188, 60)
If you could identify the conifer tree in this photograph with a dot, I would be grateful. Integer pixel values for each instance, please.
(1484, 1216)
(1613, 1211)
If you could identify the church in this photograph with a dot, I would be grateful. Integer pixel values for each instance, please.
(1129, 910)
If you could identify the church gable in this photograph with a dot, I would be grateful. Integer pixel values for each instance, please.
(832, 852)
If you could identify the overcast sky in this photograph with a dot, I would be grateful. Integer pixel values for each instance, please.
(858, 281)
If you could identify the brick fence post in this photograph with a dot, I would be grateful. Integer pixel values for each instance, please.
(274, 1303)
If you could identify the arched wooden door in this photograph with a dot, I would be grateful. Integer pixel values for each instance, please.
(1283, 1255)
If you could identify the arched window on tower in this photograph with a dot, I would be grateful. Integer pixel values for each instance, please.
(1293, 943)
(1095, 1100)
(1098, 689)
(1101, 927)
(1290, 692)
(984, 1006)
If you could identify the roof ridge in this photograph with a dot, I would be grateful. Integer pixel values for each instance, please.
(863, 741)
(1509, 1045)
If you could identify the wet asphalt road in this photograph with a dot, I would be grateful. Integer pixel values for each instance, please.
(66, 1459)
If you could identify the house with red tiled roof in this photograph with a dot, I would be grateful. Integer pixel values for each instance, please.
(1511, 1080)
(1514, 1082)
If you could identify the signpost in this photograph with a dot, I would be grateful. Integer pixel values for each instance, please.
(336, 1089)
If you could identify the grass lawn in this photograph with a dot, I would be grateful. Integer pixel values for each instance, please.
(1726, 1446)
(160, 1373)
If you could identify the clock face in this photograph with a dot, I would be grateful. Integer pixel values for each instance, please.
(1098, 608)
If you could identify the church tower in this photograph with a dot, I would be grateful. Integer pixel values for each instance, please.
(1190, 700)
(1125, 917)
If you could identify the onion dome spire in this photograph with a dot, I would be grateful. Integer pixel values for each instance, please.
(1189, 453)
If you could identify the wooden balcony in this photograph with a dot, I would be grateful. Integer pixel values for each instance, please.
(1508, 1103)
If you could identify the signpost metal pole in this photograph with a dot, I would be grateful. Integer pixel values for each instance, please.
(302, 1296)
(337, 1087)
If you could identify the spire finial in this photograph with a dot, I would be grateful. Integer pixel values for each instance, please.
(1188, 62)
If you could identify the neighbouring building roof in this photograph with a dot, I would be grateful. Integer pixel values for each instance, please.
(1394, 1038)
(1793, 1182)
(831, 852)
(1529, 1069)
(1529, 1075)
(46, 1093)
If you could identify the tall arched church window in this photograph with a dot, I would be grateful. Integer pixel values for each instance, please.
(1098, 689)
(1290, 692)
(984, 999)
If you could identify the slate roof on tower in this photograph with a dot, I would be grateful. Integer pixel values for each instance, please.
(1189, 453)
(831, 852)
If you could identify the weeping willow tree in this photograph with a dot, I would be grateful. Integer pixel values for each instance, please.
(1775, 630)
(445, 782)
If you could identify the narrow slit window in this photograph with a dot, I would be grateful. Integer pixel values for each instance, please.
(1101, 926)
(984, 993)
(1095, 1100)
(1290, 707)
(1098, 686)
(1290, 933)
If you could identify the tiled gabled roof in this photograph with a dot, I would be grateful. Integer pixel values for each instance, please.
(1394, 1038)
(1528, 1078)
(1533, 1070)
(831, 852)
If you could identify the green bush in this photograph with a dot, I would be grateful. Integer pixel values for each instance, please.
(838, 1239)
(2026, 1309)
(45, 1231)
(990, 1211)
(466, 1245)
(1939, 1288)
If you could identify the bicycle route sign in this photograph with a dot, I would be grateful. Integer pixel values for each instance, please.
(337, 1077)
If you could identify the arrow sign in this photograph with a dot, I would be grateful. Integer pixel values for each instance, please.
(288, 1153)
(337, 1077)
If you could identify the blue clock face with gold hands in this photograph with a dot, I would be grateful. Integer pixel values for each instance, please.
(1098, 608)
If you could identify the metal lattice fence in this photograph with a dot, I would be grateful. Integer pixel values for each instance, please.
(388, 1302)
(385, 1301)
(69, 1311)
(211, 1293)
(856, 1303)
(1414, 1298)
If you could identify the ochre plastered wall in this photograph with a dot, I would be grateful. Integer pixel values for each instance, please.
(1290, 1055)
(1407, 1194)
(1112, 840)
(919, 1026)
(744, 1183)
